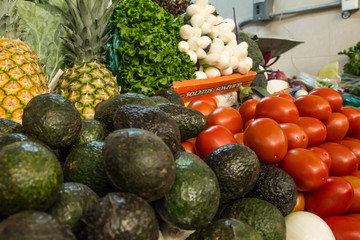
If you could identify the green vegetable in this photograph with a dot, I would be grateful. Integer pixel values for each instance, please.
(43, 33)
(353, 66)
(149, 57)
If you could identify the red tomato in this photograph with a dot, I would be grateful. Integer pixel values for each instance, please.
(353, 115)
(206, 99)
(296, 136)
(336, 127)
(284, 95)
(343, 160)
(314, 129)
(313, 106)
(300, 202)
(323, 154)
(344, 227)
(355, 183)
(248, 123)
(247, 109)
(332, 96)
(189, 147)
(353, 215)
(239, 136)
(306, 168)
(226, 116)
(351, 138)
(333, 198)
(202, 106)
(354, 147)
(191, 140)
(266, 138)
(356, 173)
(212, 138)
(277, 108)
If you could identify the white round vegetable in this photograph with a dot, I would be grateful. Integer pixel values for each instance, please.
(301, 92)
(243, 67)
(219, 19)
(224, 61)
(226, 71)
(216, 47)
(186, 31)
(228, 24)
(214, 32)
(200, 75)
(276, 85)
(234, 62)
(206, 28)
(212, 59)
(192, 9)
(196, 32)
(183, 46)
(204, 42)
(249, 61)
(218, 41)
(205, 12)
(192, 55)
(226, 35)
(211, 19)
(193, 43)
(210, 8)
(303, 225)
(200, 53)
(212, 72)
(240, 52)
(202, 3)
(197, 20)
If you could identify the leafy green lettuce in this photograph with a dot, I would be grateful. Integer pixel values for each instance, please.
(149, 58)
(42, 30)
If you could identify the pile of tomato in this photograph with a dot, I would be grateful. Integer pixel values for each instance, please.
(312, 137)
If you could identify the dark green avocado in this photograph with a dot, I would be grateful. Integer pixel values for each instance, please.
(31, 177)
(52, 119)
(151, 119)
(275, 186)
(10, 126)
(74, 200)
(11, 138)
(159, 99)
(190, 121)
(105, 110)
(171, 95)
(237, 168)
(34, 225)
(194, 198)
(119, 216)
(138, 161)
(226, 229)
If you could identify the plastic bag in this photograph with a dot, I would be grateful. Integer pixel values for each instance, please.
(312, 81)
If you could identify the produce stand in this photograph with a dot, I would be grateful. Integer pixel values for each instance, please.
(189, 89)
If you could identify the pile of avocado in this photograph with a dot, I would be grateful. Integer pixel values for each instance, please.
(125, 175)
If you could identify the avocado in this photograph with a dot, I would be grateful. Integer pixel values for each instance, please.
(10, 126)
(91, 130)
(237, 168)
(151, 119)
(193, 200)
(84, 165)
(30, 179)
(11, 138)
(119, 216)
(159, 99)
(190, 121)
(34, 225)
(260, 214)
(226, 229)
(138, 161)
(74, 200)
(275, 186)
(105, 110)
(52, 119)
(171, 95)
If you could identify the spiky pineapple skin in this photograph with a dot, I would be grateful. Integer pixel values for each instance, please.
(87, 84)
(21, 78)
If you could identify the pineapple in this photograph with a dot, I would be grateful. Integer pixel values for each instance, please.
(88, 81)
(21, 74)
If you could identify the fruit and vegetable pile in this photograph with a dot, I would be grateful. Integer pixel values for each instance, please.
(89, 151)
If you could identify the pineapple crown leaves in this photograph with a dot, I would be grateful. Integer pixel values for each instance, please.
(9, 20)
(86, 23)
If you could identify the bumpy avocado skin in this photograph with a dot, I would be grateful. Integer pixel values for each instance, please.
(138, 161)
(190, 121)
(34, 225)
(194, 198)
(171, 95)
(30, 179)
(105, 110)
(10, 126)
(275, 186)
(151, 119)
(237, 168)
(226, 229)
(52, 119)
(11, 138)
(119, 216)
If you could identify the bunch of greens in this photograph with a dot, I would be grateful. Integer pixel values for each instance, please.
(353, 66)
(149, 59)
